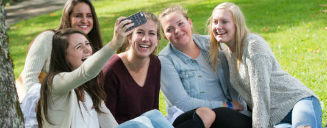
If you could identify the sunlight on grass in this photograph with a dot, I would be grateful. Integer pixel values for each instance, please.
(295, 29)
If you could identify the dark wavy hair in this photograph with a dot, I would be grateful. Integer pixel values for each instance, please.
(94, 35)
(59, 64)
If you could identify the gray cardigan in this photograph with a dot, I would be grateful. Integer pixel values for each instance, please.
(267, 89)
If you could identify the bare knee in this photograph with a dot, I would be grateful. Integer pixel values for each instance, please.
(207, 116)
(304, 126)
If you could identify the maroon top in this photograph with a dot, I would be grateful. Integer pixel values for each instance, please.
(125, 98)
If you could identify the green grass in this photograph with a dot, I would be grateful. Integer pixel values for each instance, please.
(295, 29)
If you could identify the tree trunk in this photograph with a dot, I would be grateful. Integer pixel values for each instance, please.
(10, 113)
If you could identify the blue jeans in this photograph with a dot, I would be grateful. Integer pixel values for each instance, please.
(306, 112)
(152, 118)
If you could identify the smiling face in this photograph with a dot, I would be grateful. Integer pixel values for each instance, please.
(82, 18)
(79, 49)
(223, 26)
(177, 29)
(144, 39)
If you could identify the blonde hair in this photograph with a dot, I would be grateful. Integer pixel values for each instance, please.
(172, 9)
(241, 32)
(148, 16)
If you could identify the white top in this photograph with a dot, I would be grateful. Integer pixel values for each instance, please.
(37, 59)
(28, 106)
(88, 116)
(63, 108)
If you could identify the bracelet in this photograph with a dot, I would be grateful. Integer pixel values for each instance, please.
(229, 104)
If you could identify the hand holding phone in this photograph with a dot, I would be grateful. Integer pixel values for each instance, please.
(138, 19)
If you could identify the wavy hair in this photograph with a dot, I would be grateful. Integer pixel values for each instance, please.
(149, 16)
(94, 35)
(241, 32)
(59, 64)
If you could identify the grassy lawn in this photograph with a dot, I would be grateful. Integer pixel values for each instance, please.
(295, 29)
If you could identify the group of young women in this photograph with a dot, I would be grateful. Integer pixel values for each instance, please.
(238, 84)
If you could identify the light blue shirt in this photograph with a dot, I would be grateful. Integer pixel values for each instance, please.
(183, 80)
(210, 89)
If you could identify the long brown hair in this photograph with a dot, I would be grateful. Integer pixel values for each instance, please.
(149, 16)
(241, 32)
(94, 35)
(58, 64)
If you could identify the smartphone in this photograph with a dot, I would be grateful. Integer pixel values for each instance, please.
(138, 19)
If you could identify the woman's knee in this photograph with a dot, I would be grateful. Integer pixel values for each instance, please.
(207, 116)
(307, 113)
(304, 127)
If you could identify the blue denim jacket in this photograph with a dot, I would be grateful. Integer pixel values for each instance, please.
(180, 81)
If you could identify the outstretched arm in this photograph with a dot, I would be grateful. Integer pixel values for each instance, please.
(66, 81)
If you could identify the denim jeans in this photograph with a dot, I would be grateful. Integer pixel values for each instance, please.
(150, 119)
(306, 112)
